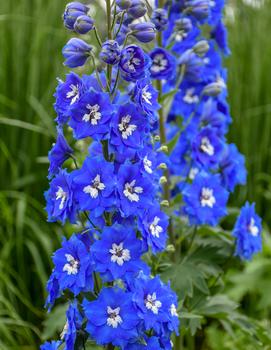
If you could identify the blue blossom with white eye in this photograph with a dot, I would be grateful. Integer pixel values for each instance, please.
(163, 64)
(54, 345)
(135, 192)
(247, 232)
(146, 96)
(73, 266)
(153, 225)
(76, 52)
(128, 128)
(60, 152)
(60, 203)
(134, 63)
(95, 185)
(233, 169)
(72, 326)
(91, 116)
(205, 200)
(207, 148)
(112, 317)
(117, 253)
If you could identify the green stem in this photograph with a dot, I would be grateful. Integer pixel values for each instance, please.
(105, 150)
(109, 36)
(97, 37)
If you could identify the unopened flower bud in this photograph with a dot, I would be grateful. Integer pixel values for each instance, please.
(201, 48)
(143, 32)
(110, 52)
(170, 248)
(182, 28)
(163, 148)
(137, 9)
(160, 19)
(72, 12)
(198, 8)
(83, 24)
(76, 52)
(214, 89)
(162, 166)
(162, 180)
(124, 4)
(164, 203)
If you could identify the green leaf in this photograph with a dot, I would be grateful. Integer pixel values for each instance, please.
(55, 321)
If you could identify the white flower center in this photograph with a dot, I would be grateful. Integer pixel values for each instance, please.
(118, 254)
(61, 194)
(72, 265)
(152, 303)
(125, 128)
(173, 310)
(207, 147)
(155, 228)
(114, 318)
(159, 63)
(207, 198)
(95, 187)
(193, 173)
(73, 94)
(147, 165)
(146, 95)
(252, 228)
(132, 63)
(132, 192)
(190, 96)
(94, 115)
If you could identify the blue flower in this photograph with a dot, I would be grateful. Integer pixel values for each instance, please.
(112, 317)
(163, 64)
(117, 253)
(128, 126)
(219, 33)
(60, 198)
(72, 326)
(194, 66)
(205, 200)
(153, 225)
(53, 291)
(134, 63)
(247, 232)
(143, 31)
(110, 52)
(207, 148)
(146, 96)
(60, 152)
(233, 169)
(95, 185)
(83, 24)
(54, 345)
(151, 343)
(160, 19)
(137, 9)
(90, 117)
(135, 191)
(72, 12)
(76, 52)
(73, 266)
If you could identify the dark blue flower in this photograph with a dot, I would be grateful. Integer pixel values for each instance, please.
(95, 185)
(112, 317)
(60, 198)
(160, 19)
(110, 52)
(53, 291)
(219, 33)
(143, 31)
(146, 96)
(73, 266)
(60, 152)
(128, 126)
(247, 232)
(76, 52)
(90, 117)
(135, 191)
(134, 63)
(205, 200)
(117, 253)
(163, 64)
(200, 9)
(72, 326)
(54, 345)
(72, 12)
(194, 66)
(83, 24)
(153, 225)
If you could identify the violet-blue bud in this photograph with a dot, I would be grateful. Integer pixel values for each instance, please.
(160, 19)
(214, 89)
(182, 28)
(200, 9)
(72, 11)
(110, 52)
(76, 52)
(137, 9)
(83, 24)
(124, 4)
(201, 48)
(143, 32)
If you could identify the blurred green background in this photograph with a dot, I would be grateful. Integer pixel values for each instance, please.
(31, 38)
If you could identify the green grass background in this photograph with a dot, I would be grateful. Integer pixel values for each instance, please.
(31, 38)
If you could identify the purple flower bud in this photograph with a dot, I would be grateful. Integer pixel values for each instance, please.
(201, 48)
(160, 19)
(182, 28)
(110, 52)
(83, 24)
(138, 9)
(199, 8)
(124, 4)
(76, 52)
(214, 89)
(144, 32)
(72, 11)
